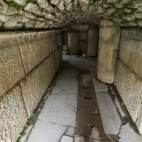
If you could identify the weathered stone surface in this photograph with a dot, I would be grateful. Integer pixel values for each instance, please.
(133, 49)
(139, 121)
(33, 53)
(70, 132)
(107, 23)
(13, 115)
(63, 112)
(35, 84)
(68, 74)
(110, 117)
(92, 42)
(127, 134)
(80, 27)
(11, 68)
(99, 87)
(132, 33)
(107, 53)
(46, 131)
(127, 13)
(129, 86)
(73, 42)
(79, 139)
(66, 139)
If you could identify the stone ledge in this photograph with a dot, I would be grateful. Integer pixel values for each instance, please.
(12, 38)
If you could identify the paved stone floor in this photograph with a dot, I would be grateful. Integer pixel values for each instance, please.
(80, 108)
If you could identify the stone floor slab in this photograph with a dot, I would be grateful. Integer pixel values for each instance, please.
(66, 139)
(67, 74)
(46, 132)
(60, 109)
(127, 134)
(70, 131)
(69, 86)
(59, 91)
(110, 117)
(99, 87)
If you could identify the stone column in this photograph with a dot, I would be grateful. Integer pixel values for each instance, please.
(109, 38)
(92, 42)
(73, 42)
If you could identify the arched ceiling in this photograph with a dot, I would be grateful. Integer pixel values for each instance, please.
(46, 14)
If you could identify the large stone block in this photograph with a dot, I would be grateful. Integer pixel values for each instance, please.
(11, 68)
(73, 42)
(129, 86)
(133, 50)
(35, 84)
(132, 33)
(33, 53)
(92, 42)
(13, 115)
(107, 53)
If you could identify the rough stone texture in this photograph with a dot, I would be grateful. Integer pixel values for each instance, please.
(13, 115)
(110, 117)
(33, 53)
(73, 42)
(127, 134)
(60, 109)
(21, 53)
(129, 86)
(11, 68)
(50, 132)
(133, 50)
(66, 139)
(92, 42)
(57, 13)
(132, 33)
(107, 52)
(35, 84)
(70, 131)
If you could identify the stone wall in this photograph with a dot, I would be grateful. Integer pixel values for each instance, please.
(128, 78)
(47, 14)
(28, 63)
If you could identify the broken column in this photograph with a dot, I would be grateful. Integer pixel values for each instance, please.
(109, 37)
(73, 42)
(92, 42)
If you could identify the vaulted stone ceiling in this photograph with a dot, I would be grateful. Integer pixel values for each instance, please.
(46, 14)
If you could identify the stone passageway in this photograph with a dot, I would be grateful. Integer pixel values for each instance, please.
(79, 108)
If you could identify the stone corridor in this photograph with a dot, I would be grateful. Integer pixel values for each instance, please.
(79, 108)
